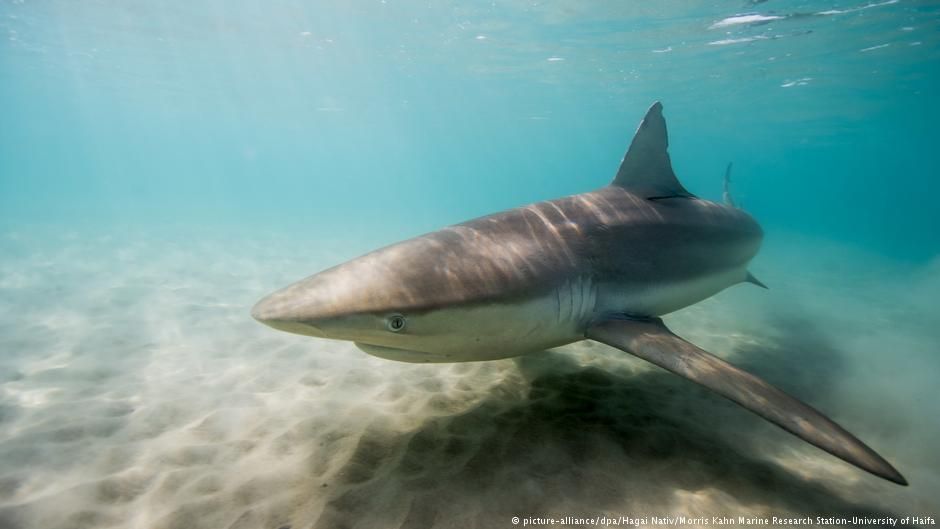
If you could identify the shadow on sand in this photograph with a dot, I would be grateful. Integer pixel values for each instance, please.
(585, 442)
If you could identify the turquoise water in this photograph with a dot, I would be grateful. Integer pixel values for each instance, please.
(422, 115)
(164, 164)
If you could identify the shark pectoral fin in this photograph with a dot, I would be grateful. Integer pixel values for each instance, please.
(653, 342)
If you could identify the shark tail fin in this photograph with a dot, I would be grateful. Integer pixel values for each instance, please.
(726, 195)
(646, 169)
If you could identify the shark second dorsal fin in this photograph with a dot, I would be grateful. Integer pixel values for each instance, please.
(646, 169)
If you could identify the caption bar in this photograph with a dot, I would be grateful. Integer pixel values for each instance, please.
(746, 521)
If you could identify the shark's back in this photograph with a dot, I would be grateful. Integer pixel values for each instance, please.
(610, 236)
(628, 242)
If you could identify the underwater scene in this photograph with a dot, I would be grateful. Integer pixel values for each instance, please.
(170, 172)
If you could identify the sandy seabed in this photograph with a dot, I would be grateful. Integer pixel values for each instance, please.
(136, 391)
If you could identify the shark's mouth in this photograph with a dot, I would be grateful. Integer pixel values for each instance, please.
(402, 355)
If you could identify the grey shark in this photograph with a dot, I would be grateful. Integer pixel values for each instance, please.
(602, 265)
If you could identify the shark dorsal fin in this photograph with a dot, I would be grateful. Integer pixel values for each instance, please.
(646, 169)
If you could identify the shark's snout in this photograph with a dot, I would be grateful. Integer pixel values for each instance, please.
(263, 311)
(271, 308)
(267, 313)
(282, 311)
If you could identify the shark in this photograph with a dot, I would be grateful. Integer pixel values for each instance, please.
(604, 265)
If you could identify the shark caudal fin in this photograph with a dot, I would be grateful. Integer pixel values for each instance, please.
(653, 342)
(726, 193)
(646, 169)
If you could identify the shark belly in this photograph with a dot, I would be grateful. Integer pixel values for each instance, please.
(501, 329)
(662, 297)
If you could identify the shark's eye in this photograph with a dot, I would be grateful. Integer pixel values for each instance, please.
(395, 322)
